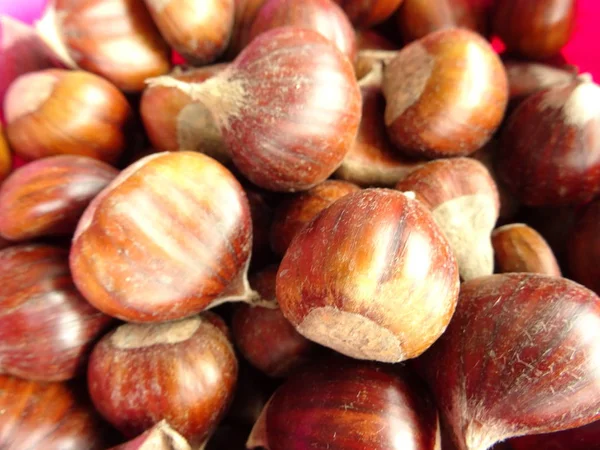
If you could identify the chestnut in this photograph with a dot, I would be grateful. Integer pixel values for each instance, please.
(169, 237)
(322, 16)
(365, 14)
(283, 133)
(348, 404)
(183, 372)
(519, 357)
(418, 18)
(584, 248)
(46, 328)
(581, 438)
(372, 277)
(264, 337)
(550, 154)
(244, 15)
(48, 196)
(5, 156)
(174, 120)
(115, 39)
(57, 111)
(463, 198)
(262, 217)
(372, 48)
(46, 416)
(160, 437)
(293, 213)
(519, 248)
(434, 107)
(535, 28)
(199, 31)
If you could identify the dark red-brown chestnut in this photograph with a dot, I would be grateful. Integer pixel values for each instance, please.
(245, 12)
(372, 277)
(519, 357)
(183, 372)
(366, 13)
(262, 217)
(5, 156)
(160, 437)
(584, 248)
(586, 437)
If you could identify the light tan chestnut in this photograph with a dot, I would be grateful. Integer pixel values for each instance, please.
(519, 248)
(372, 277)
(463, 199)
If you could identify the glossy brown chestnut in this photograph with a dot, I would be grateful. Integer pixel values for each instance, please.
(323, 16)
(534, 28)
(348, 404)
(463, 199)
(372, 277)
(418, 18)
(519, 248)
(288, 108)
(46, 328)
(199, 31)
(56, 111)
(116, 39)
(175, 121)
(550, 147)
(165, 240)
(294, 213)
(434, 106)
(584, 248)
(265, 338)
(48, 196)
(160, 437)
(46, 416)
(519, 357)
(183, 372)
(245, 13)
(581, 438)
(365, 14)
(5, 156)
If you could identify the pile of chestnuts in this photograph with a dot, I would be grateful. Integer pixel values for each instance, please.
(281, 224)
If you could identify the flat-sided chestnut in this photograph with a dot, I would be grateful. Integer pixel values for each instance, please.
(519, 357)
(535, 28)
(56, 111)
(348, 404)
(463, 199)
(293, 213)
(519, 248)
(584, 248)
(365, 14)
(5, 156)
(46, 416)
(48, 196)
(160, 437)
(434, 106)
(116, 39)
(46, 327)
(199, 31)
(418, 18)
(169, 237)
(175, 121)
(372, 277)
(322, 16)
(183, 372)
(581, 438)
(550, 147)
(288, 108)
(264, 336)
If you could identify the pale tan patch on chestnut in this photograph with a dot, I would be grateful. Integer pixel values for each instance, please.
(163, 437)
(49, 28)
(197, 130)
(158, 5)
(23, 100)
(583, 105)
(133, 335)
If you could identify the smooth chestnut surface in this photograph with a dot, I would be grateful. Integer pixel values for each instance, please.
(164, 240)
(365, 14)
(295, 212)
(434, 106)
(582, 438)
(48, 196)
(464, 201)
(418, 18)
(519, 357)
(160, 437)
(322, 16)
(550, 146)
(199, 31)
(536, 28)
(5, 156)
(46, 416)
(116, 39)
(372, 277)
(245, 13)
(174, 121)
(349, 405)
(183, 372)
(584, 248)
(288, 108)
(519, 248)
(57, 111)
(47, 328)
(266, 339)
